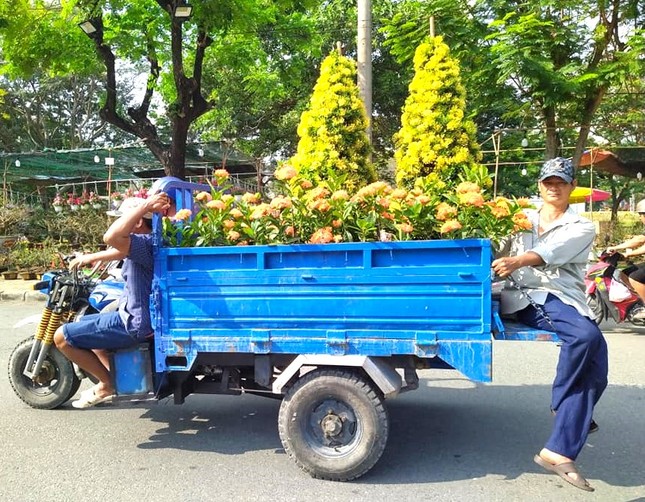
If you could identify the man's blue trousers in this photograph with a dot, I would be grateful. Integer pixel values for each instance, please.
(581, 375)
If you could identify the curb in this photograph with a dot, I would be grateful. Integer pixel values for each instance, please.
(24, 296)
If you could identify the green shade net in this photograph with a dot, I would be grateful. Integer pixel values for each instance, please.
(129, 162)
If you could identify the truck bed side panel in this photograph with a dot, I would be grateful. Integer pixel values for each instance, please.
(424, 298)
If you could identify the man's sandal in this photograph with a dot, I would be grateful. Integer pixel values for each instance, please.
(593, 426)
(564, 470)
(88, 394)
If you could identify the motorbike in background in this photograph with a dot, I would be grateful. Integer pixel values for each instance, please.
(39, 374)
(609, 294)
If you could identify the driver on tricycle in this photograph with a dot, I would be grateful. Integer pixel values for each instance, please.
(129, 239)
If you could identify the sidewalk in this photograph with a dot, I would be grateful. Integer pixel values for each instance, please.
(19, 289)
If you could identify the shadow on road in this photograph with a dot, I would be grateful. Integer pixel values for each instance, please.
(437, 433)
(226, 424)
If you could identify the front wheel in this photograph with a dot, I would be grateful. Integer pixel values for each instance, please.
(54, 385)
(333, 424)
(595, 304)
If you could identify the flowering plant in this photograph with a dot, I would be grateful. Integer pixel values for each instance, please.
(73, 200)
(116, 196)
(304, 213)
(85, 197)
(58, 200)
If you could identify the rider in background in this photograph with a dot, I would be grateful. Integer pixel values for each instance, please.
(635, 247)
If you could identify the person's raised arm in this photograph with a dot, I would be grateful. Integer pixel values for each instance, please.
(118, 235)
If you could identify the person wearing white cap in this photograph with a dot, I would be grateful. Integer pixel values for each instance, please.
(129, 239)
(545, 289)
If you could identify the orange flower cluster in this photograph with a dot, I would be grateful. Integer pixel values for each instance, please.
(325, 214)
(183, 215)
(450, 226)
(322, 236)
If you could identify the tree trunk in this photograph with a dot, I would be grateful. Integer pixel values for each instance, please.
(189, 105)
(176, 165)
(552, 141)
(591, 104)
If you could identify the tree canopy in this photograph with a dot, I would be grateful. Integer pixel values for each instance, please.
(147, 35)
(243, 70)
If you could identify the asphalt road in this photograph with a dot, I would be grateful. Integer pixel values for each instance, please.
(451, 440)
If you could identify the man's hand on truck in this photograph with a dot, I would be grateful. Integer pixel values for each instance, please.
(506, 265)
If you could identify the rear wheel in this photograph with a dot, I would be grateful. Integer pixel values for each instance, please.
(55, 384)
(596, 307)
(333, 424)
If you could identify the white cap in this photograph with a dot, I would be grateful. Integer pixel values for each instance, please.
(129, 204)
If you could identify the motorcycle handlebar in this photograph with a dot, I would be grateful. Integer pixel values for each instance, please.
(613, 257)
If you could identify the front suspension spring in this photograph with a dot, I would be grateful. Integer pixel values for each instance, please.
(42, 325)
(69, 316)
(54, 323)
(32, 370)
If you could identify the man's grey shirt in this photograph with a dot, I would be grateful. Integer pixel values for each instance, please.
(564, 247)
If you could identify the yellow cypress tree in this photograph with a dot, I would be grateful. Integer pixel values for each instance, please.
(333, 138)
(435, 140)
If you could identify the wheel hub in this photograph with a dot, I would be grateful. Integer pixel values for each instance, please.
(331, 425)
(46, 374)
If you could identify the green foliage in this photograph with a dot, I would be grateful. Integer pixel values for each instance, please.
(262, 61)
(538, 50)
(25, 255)
(621, 116)
(37, 39)
(271, 72)
(463, 26)
(82, 229)
(333, 139)
(58, 113)
(44, 234)
(435, 138)
(561, 67)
